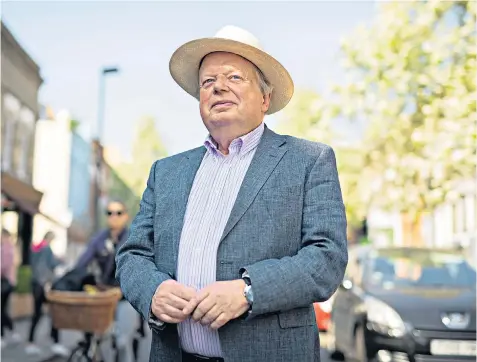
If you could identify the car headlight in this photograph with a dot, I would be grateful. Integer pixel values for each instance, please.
(384, 317)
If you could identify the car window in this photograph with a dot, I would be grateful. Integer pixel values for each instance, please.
(428, 269)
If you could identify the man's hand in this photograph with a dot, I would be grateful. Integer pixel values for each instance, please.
(218, 303)
(170, 300)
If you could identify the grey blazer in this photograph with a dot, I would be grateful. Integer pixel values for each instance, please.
(287, 229)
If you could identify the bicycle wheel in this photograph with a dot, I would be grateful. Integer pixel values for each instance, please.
(80, 354)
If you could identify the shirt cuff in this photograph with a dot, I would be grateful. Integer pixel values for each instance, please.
(155, 323)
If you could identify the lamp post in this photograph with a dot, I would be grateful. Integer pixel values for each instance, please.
(105, 71)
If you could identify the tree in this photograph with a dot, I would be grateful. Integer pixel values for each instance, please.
(74, 124)
(412, 78)
(147, 147)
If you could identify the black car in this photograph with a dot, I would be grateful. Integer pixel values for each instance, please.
(405, 305)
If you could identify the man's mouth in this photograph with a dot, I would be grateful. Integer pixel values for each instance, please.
(222, 104)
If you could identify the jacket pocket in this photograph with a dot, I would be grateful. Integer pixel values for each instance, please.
(296, 318)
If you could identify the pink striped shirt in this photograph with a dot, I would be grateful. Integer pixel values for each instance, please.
(213, 194)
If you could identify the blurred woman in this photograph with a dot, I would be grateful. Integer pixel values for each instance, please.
(43, 263)
(9, 281)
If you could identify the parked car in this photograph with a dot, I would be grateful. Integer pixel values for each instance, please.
(406, 304)
(323, 309)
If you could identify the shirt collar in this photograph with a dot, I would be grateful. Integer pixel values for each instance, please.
(241, 145)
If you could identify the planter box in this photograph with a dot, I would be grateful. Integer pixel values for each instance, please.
(21, 305)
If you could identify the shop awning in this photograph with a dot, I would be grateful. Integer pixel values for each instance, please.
(24, 195)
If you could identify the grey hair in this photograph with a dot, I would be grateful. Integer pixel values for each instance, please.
(265, 86)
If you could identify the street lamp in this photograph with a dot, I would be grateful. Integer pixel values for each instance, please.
(98, 144)
(102, 95)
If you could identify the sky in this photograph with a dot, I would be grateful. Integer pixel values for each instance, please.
(72, 41)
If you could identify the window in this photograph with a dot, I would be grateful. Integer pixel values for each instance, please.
(11, 107)
(25, 143)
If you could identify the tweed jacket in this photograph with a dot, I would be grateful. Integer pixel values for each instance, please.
(287, 229)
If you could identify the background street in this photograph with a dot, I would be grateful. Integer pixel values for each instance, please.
(16, 352)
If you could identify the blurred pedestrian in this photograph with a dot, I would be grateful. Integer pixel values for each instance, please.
(235, 240)
(100, 255)
(9, 281)
(43, 264)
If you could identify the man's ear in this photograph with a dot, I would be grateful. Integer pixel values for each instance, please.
(266, 102)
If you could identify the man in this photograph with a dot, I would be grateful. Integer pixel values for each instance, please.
(235, 240)
(43, 265)
(100, 256)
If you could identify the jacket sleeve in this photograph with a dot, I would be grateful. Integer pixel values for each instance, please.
(313, 275)
(89, 254)
(136, 270)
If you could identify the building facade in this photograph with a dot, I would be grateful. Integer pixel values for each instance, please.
(20, 85)
(51, 177)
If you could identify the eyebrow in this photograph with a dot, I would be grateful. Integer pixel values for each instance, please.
(208, 74)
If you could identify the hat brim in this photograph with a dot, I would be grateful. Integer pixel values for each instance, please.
(184, 67)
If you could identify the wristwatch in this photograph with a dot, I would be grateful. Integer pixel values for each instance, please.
(248, 292)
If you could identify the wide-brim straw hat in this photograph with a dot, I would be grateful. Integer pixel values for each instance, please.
(185, 62)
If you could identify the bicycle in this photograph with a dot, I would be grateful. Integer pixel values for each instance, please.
(92, 314)
(89, 349)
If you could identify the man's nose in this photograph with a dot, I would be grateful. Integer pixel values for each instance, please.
(221, 84)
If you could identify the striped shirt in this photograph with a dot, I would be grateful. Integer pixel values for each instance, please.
(211, 199)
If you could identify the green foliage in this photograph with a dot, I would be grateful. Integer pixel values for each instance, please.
(412, 78)
(74, 124)
(23, 280)
(147, 148)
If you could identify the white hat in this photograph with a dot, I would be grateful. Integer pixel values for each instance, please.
(184, 63)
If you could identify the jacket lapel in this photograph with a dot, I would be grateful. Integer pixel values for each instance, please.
(183, 181)
(269, 152)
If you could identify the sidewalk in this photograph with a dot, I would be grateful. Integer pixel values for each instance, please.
(15, 352)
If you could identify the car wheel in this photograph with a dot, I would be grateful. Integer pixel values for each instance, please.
(361, 350)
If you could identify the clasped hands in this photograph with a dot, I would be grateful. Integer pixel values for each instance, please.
(214, 305)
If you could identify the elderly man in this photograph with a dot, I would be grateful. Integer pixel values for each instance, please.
(236, 239)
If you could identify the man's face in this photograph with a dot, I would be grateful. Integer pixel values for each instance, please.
(117, 216)
(230, 94)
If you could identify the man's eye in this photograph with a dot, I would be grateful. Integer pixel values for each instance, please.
(207, 81)
(236, 77)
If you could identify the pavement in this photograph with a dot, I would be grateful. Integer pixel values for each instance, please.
(15, 352)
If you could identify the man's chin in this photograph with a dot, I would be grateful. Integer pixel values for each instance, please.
(221, 120)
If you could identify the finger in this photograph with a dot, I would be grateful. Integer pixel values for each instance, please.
(203, 308)
(173, 312)
(176, 301)
(167, 319)
(211, 315)
(221, 320)
(184, 292)
(194, 302)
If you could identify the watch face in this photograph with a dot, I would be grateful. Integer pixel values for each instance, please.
(249, 294)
